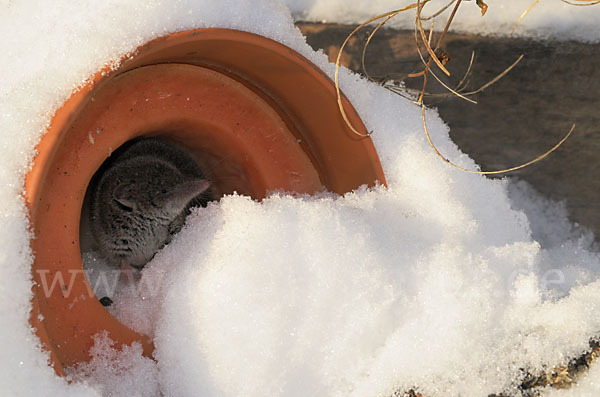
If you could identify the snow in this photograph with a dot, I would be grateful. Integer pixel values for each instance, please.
(380, 303)
(444, 281)
(548, 19)
(118, 372)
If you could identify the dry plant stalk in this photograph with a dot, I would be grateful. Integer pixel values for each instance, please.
(425, 40)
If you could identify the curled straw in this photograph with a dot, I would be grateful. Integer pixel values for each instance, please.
(459, 90)
(578, 3)
(426, 41)
(390, 14)
(518, 167)
(523, 16)
(582, 3)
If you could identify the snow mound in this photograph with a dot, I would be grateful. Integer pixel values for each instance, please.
(444, 281)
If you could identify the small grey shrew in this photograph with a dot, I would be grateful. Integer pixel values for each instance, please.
(141, 198)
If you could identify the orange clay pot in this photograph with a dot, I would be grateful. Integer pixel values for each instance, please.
(257, 115)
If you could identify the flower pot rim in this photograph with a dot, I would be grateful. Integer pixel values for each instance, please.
(304, 107)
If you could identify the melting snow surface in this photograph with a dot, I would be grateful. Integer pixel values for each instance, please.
(444, 281)
(548, 19)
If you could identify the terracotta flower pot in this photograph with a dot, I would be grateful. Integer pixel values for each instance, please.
(257, 115)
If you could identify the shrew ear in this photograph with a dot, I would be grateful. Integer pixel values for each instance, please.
(122, 195)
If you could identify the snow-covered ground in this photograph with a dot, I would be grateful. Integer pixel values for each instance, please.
(446, 281)
(547, 19)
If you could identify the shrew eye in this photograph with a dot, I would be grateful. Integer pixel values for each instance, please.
(163, 191)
